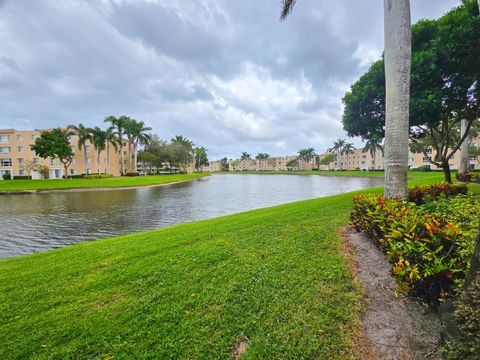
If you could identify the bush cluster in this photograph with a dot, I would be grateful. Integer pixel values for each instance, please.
(468, 177)
(131, 174)
(429, 246)
(422, 194)
(423, 168)
(21, 177)
(97, 176)
(6, 176)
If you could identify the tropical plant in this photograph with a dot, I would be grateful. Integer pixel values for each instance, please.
(373, 144)
(99, 140)
(139, 136)
(224, 162)
(118, 124)
(201, 157)
(347, 149)
(111, 140)
(188, 144)
(306, 155)
(83, 134)
(338, 145)
(55, 145)
(262, 156)
(245, 156)
(328, 159)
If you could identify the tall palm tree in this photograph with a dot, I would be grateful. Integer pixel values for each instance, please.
(372, 146)
(129, 126)
(139, 135)
(111, 139)
(398, 54)
(338, 145)
(307, 154)
(347, 149)
(398, 59)
(118, 123)
(83, 134)
(184, 141)
(99, 140)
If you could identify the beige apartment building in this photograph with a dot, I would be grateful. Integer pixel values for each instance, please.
(270, 164)
(16, 155)
(213, 166)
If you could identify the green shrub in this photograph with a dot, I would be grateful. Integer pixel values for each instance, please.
(21, 177)
(468, 177)
(6, 176)
(423, 168)
(97, 176)
(429, 251)
(76, 176)
(467, 314)
(425, 193)
(131, 174)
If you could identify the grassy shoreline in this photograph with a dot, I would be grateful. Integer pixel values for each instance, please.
(8, 186)
(275, 276)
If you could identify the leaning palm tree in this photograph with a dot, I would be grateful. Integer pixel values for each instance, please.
(84, 134)
(111, 139)
(139, 136)
(398, 54)
(119, 125)
(99, 140)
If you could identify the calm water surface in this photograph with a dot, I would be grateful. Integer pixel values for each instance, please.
(38, 222)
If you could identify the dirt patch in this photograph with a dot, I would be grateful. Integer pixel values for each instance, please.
(393, 326)
(240, 348)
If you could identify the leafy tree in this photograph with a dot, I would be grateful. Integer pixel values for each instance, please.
(306, 154)
(398, 60)
(83, 134)
(261, 156)
(55, 145)
(328, 159)
(444, 87)
(99, 140)
(178, 155)
(147, 158)
(201, 157)
(188, 144)
(338, 145)
(28, 166)
(292, 164)
(224, 163)
(245, 156)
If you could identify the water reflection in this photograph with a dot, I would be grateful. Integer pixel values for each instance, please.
(32, 223)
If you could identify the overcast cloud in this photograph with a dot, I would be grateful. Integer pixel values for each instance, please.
(225, 73)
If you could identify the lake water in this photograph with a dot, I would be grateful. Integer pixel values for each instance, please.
(38, 222)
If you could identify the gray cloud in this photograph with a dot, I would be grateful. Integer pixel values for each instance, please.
(227, 74)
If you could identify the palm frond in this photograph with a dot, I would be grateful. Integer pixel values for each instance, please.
(287, 8)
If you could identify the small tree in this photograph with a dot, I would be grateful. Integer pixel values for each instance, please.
(245, 156)
(201, 157)
(54, 144)
(261, 156)
(328, 159)
(224, 163)
(292, 164)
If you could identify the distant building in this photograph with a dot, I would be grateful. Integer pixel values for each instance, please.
(213, 166)
(15, 154)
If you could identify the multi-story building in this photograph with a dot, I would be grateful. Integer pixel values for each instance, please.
(17, 158)
(213, 166)
(271, 164)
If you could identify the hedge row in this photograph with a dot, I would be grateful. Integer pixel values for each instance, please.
(468, 177)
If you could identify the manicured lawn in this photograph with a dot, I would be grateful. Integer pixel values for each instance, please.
(124, 181)
(273, 276)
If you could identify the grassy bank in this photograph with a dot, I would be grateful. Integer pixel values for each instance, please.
(124, 181)
(274, 277)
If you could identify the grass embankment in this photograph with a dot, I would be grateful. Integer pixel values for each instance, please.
(274, 276)
(357, 173)
(123, 181)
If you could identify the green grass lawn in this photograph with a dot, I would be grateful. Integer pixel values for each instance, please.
(411, 174)
(274, 276)
(123, 181)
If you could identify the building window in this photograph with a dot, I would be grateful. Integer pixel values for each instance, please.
(5, 150)
(34, 137)
(426, 159)
(21, 172)
(21, 160)
(87, 148)
(89, 160)
(73, 161)
(20, 148)
(5, 162)
(428, 151)
(72, 172)
(20, 137)
(473, 158)
(35, 160)
(4, 138)
(88, 171)
(72, 148)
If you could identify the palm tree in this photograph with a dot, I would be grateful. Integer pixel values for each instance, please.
(188, 144)
(119, 125)
(99, 140)
(84, 134)
(337, 145)
(347, 149)
(139, 135)
(398, 54)
(307, 154)
(372, 145)
(111, 139)
(129, 128)
(398, 59)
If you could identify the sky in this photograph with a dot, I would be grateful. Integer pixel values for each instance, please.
(225, 73)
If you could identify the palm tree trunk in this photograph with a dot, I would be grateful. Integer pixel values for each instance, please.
(121, 157)
(108, 157)
(98, 160)
(85, 157)
(398, 53)
(135, 155)
(464, 148)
